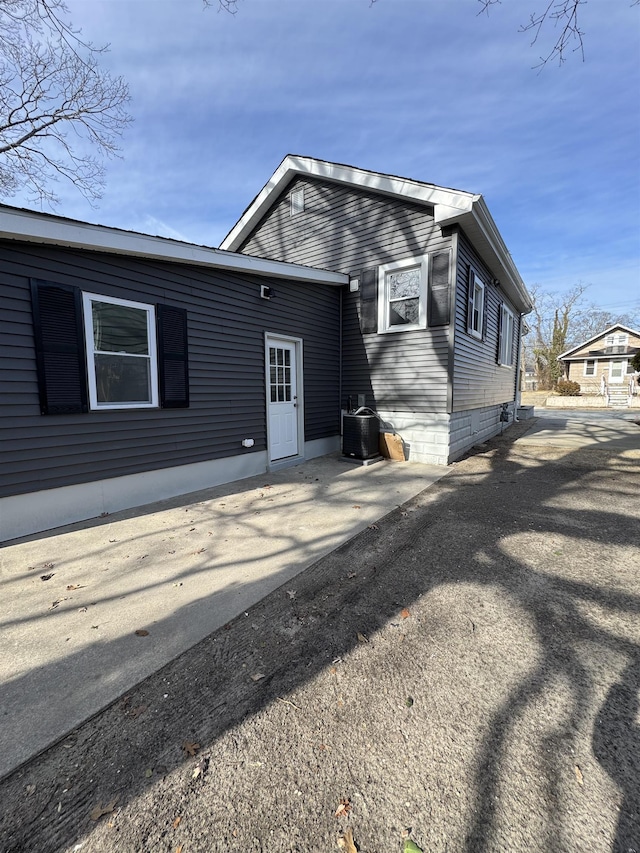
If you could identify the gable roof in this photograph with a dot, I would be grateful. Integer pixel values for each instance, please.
(48, 229)
(450, 206)
(614, 328)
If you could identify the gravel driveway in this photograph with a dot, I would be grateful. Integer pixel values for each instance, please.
(465, 671)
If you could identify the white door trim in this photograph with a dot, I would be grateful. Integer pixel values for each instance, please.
(623, 371)
(270, 339)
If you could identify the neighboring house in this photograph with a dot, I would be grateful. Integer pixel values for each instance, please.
(431, 319)
(602, 365)
(133, 368)
(137, 368)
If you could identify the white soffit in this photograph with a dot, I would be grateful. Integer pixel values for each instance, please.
(46, 229)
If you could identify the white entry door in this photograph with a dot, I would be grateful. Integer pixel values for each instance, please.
(617, 370)
(282, 398)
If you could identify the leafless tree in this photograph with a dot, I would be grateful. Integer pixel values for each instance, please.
(560, 321)
(61, 115)
(562, 16)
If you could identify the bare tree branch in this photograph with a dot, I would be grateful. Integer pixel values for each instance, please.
(61, 115)
(562, 15)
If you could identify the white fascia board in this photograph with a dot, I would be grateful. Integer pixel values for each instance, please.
(31, 227)
(597, 337)
(486, 238)
(455, 201)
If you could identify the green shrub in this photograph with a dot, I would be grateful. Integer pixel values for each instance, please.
(635, 361)
(568, 389)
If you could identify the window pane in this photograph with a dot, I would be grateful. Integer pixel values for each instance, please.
(287, 357)
(273, 393)
(122, 379)
(272, 355)
(404, 283)
(407, 311)
(118, 328)
(280, 394)
(287, 393)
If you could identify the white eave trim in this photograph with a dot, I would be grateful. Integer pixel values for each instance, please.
(597, 337)
(455, 200)
(451, 207)
(32, 227)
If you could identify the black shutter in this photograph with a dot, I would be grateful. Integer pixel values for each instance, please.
(470, 287)
(439, 290)
(173, 358)
(485, 303)
(369, 301)
(60, 348)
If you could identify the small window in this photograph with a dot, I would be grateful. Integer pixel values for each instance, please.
(475, 318)
(121, 353)
(505, 347)
(589, 367)
(297, 201)
(402, 303)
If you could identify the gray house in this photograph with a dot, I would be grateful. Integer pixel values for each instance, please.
(136, 368)
(431, 318)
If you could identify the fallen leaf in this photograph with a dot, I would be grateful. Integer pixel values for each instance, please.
(404, 613)
(362, 638)
(48, 565)
(199, 551)
(141, 633)
(373, 527)
(257, 676)
(55, 603)
(344, 808)
(291, 593)
(47, 577)
(73, 586)
(409, 702)
(333, 670)
(104, 514)
(179, 849)
(100, 810)
(148, 773)
(190, 748)
(30, 789)
(411, 847)
(579, 776)
(345, 842)
(82, 609)
(201, 768)
(135, 712)
(176, 823)
(356, 506)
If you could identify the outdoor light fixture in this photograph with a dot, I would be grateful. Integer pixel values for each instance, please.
(265, 292)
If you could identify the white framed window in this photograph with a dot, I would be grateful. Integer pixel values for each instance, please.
(589, 367)
(618, 339)
(475, 317)
(121, 353)
(402, 295)
(296, 201)
(505, 345)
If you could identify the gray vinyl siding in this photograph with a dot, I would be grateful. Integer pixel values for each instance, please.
(345, 229)
(478, 379)
(227, 321)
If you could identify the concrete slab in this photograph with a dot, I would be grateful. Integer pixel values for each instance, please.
(74, 598)
(574, 429)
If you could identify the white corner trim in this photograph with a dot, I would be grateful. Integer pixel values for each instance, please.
(22, 515)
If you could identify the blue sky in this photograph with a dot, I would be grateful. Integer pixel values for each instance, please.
(427, 89)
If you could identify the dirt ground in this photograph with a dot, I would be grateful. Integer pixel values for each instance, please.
(465, 672)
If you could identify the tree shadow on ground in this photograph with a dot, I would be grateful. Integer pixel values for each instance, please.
(530, 532)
